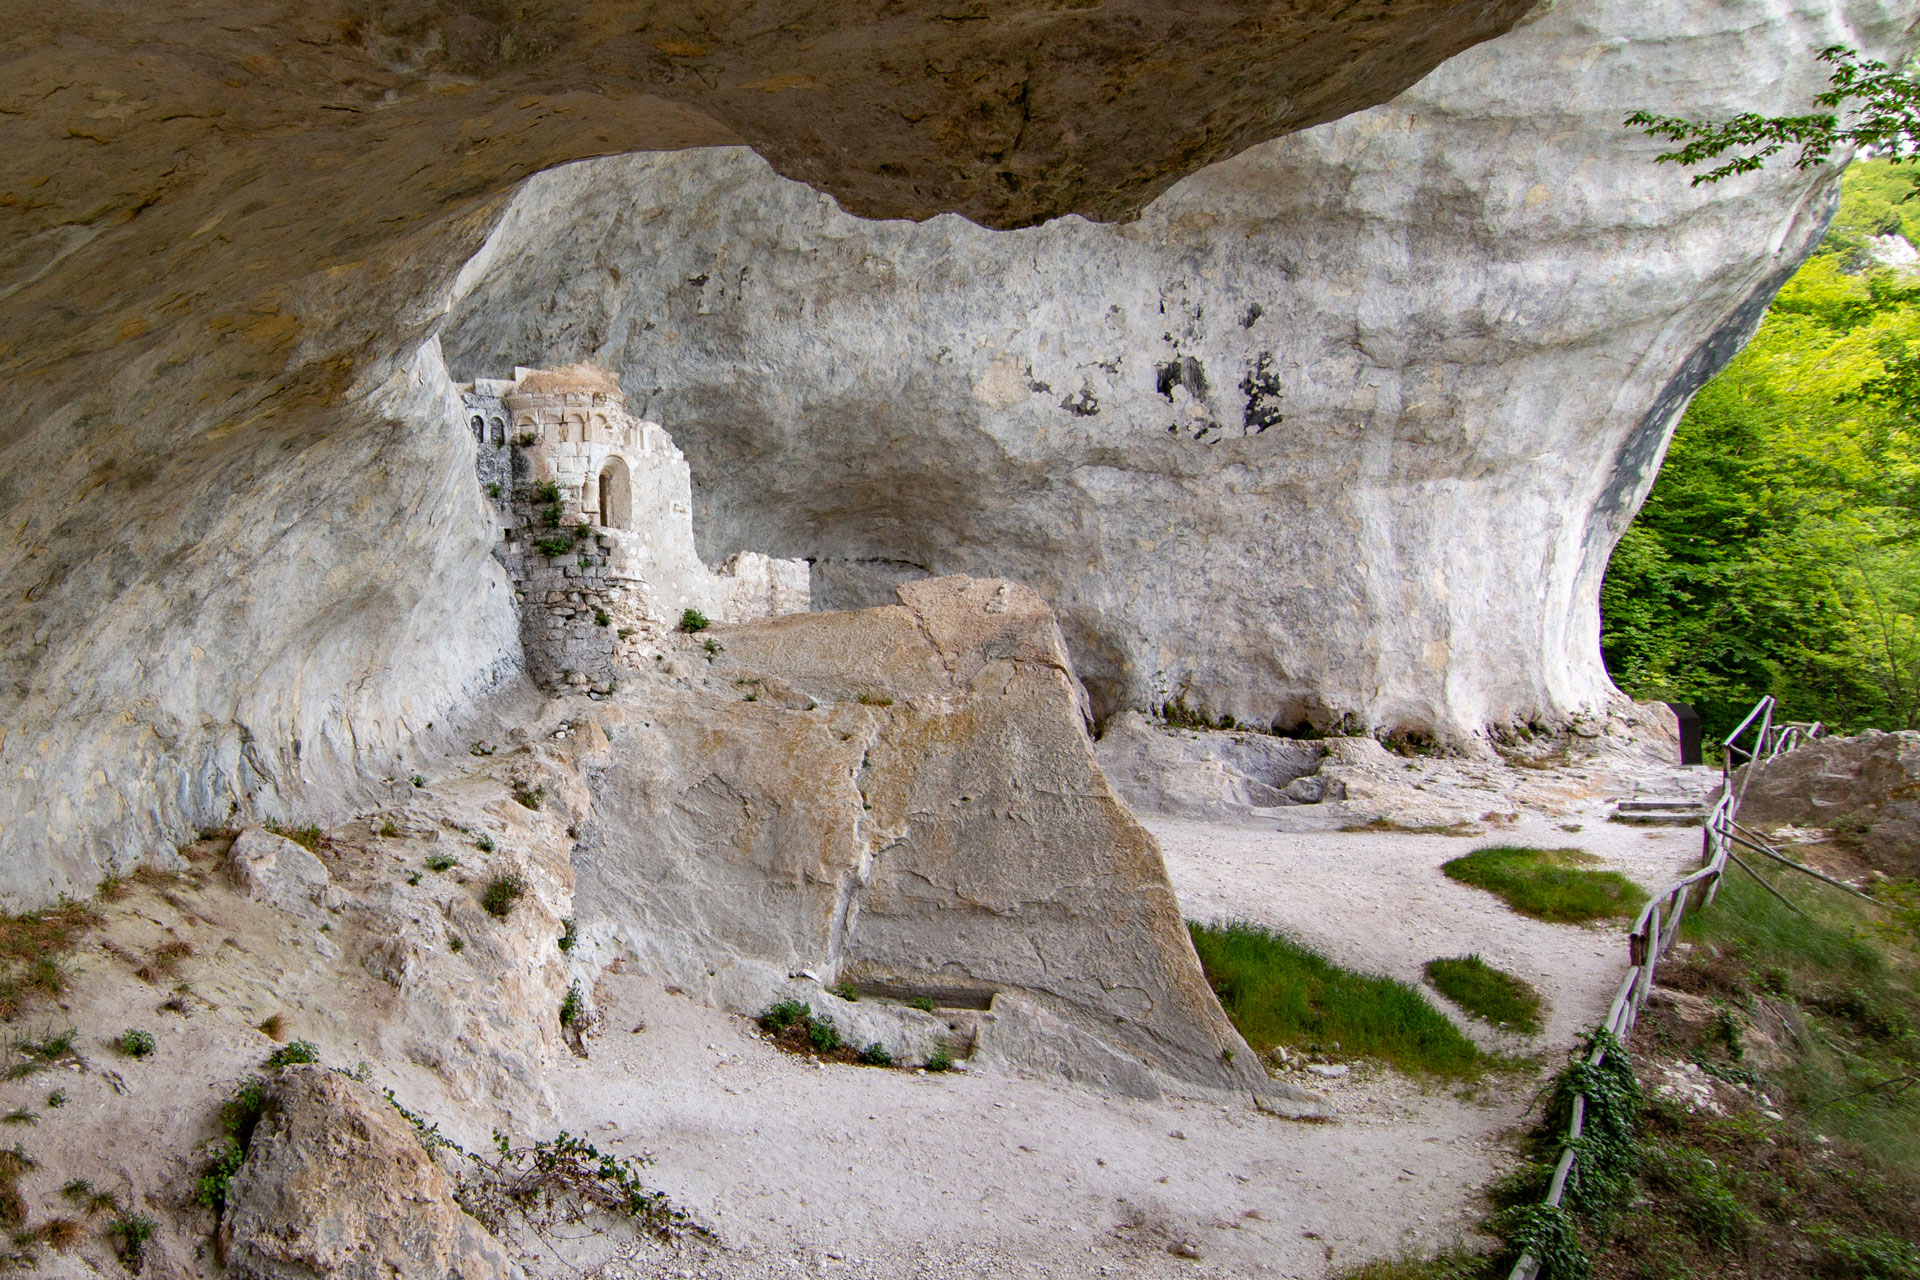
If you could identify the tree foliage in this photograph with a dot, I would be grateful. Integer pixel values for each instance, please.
(1779, 551)
(1868, 105)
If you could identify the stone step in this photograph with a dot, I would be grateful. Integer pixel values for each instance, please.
(1659, 806)
(1660, 813)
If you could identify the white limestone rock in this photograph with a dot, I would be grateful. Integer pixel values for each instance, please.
(1344, 428)
(273, 869)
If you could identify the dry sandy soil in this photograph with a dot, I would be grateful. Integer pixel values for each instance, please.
(845, 1171)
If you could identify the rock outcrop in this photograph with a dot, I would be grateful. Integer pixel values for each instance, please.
(904, 798)
(1210, 775)
(1866, 788)
(1340, 431)
(336, 1185)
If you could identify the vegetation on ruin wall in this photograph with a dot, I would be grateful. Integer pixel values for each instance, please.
(1778, 551)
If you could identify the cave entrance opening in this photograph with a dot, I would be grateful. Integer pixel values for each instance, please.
(616, 495)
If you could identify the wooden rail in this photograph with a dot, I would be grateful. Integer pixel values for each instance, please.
(1658, 925)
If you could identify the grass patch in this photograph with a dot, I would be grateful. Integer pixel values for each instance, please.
(1486, 992)
(32, 944)
(1279, 992)
(1558, 885)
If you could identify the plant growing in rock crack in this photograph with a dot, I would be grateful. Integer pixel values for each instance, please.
(692, 620)
(27, 1055)
(566, 1181)
(846, 991)
(876, 1055)
(501, 893)
(941, 1059)
(572, 1006)
(554, 546)
(601, 618)
(528, 794)
(239, 1115)
(441, 862)
(568, 935)
(483, 842)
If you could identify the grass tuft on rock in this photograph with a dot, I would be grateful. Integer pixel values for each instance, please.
(1557, 885)
(1487, 993)
(1278, 992)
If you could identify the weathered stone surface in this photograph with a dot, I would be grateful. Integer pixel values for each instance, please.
(1867, 786)
(272, 868)
(902, 797)
(1210, 776)
(336, 1185)
(1342, 429)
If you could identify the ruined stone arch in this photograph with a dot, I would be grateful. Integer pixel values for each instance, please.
(479, 429)
(616, 495)
(499, 432)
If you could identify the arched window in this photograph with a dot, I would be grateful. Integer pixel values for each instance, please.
(499, 433)
(480, 429)
(616, 496)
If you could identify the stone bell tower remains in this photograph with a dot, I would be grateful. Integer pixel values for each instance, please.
(597, 528)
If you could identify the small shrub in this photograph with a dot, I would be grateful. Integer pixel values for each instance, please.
(135, 1043)
(601, 618)
(823, 1035)
(58, 1098)
(456, 944)
(274, 1027)
(940, 1059)
(546, 492)
(292, 1053)
(483, 842)
(309, 837)
(527, 794)
(418, 781)
(692, 620)
(501, 893)
(568, 936)
(493, 489)
(713, 648)
(923, 1003)
(779, 1016)
(414, 879)
(479, 749)
(876, 1055)
(441, 862)
(572, 1006)
(847, 991)
(527, 439)
(554, 545)
(388, 830)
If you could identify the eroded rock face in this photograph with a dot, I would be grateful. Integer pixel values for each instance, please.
(1343, 429)
(1867, 787)
(335, 1184)
(246, 563)
(905, 798)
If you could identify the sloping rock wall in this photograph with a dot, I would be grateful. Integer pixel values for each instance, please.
(1342, 430)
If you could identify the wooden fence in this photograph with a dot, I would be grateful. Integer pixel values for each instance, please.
(1658, 925)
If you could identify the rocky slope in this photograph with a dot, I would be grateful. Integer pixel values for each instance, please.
(1341, 429)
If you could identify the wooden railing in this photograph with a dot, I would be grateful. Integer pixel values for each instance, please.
(1658, 925)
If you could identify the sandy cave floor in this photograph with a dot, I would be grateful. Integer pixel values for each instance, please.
(843, 1171)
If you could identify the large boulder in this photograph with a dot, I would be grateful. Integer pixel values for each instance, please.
(1866, 788)
(337, 1186)
(905, 798)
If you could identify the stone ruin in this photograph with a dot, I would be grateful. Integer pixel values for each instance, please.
(596, 528)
